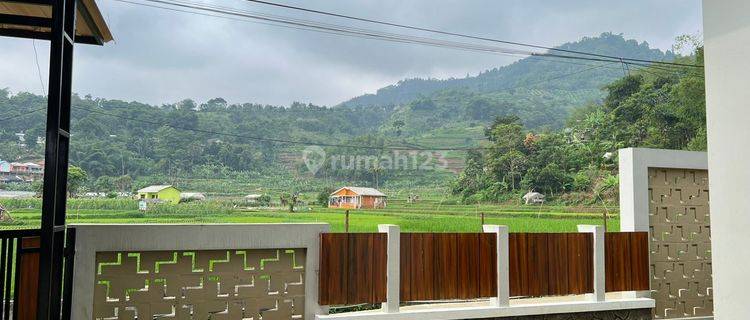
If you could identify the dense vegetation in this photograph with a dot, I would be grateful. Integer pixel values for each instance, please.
(655, 107)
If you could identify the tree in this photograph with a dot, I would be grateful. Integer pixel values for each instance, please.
(76, 178)
(398, 125)
(323, 196)
(512, 163)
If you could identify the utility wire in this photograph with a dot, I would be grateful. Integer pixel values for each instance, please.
(22, 114)
(303, 142)
(296, 142)
(355, 32)
(39, 69)
(366, 33)
(392, 24)
(229, 16)
(273, 140)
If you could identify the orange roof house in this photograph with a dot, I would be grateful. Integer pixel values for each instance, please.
(357, 198)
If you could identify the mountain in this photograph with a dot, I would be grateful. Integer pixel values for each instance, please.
(542, 74)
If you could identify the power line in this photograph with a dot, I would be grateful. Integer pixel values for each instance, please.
(274, 140)
(556, 77)
(354, 32)
(339, 29)
(392, 24)
(38, 69)
(296, 142)
(229, 16)
(22, 114)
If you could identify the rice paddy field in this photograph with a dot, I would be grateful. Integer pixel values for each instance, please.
(428, 215)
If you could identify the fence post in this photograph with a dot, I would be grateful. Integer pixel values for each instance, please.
(393, 274)
(503, 264)
(599, 262)
(346, 222)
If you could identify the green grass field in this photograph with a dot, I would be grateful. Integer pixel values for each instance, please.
(425, 216)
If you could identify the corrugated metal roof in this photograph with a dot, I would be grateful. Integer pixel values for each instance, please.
(362, 191)
(157, 188)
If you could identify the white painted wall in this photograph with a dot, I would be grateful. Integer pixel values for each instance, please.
(727, 39)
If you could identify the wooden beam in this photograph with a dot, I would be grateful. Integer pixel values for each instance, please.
(30, 34)
(25, 21)
(35, 2)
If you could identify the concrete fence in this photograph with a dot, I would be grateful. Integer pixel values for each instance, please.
(273, 271)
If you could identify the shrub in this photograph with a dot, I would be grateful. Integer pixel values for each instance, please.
(264, 200)
(607, 187)
(582, 181)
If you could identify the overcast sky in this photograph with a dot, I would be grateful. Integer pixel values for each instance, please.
(165, 56)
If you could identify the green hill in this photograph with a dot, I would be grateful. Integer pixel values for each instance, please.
(530, 76)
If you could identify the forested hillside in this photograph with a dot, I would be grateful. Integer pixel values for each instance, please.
(656, 107)
(530, 76)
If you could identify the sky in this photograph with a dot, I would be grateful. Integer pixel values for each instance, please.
(162, 56)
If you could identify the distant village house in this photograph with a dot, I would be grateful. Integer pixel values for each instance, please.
(160, 193)
(22, 171)
(357, 198)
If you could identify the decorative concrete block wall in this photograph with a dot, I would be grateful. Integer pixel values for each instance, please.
(665, 192)
(229, 271)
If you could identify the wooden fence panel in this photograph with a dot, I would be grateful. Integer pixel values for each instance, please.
(352, 268)
(581, 273)
(446, 252)
(28, 278)
(626, 261)
(546, 264)
(445, 266)
(488, 266)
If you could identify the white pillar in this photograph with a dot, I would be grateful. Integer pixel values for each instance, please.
(726, 33)
(503, 264)
(393, 273)
(599, 263)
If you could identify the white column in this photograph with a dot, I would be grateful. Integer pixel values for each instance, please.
(503, 265)
(599, 263)
(726, 33)
(393, 274)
